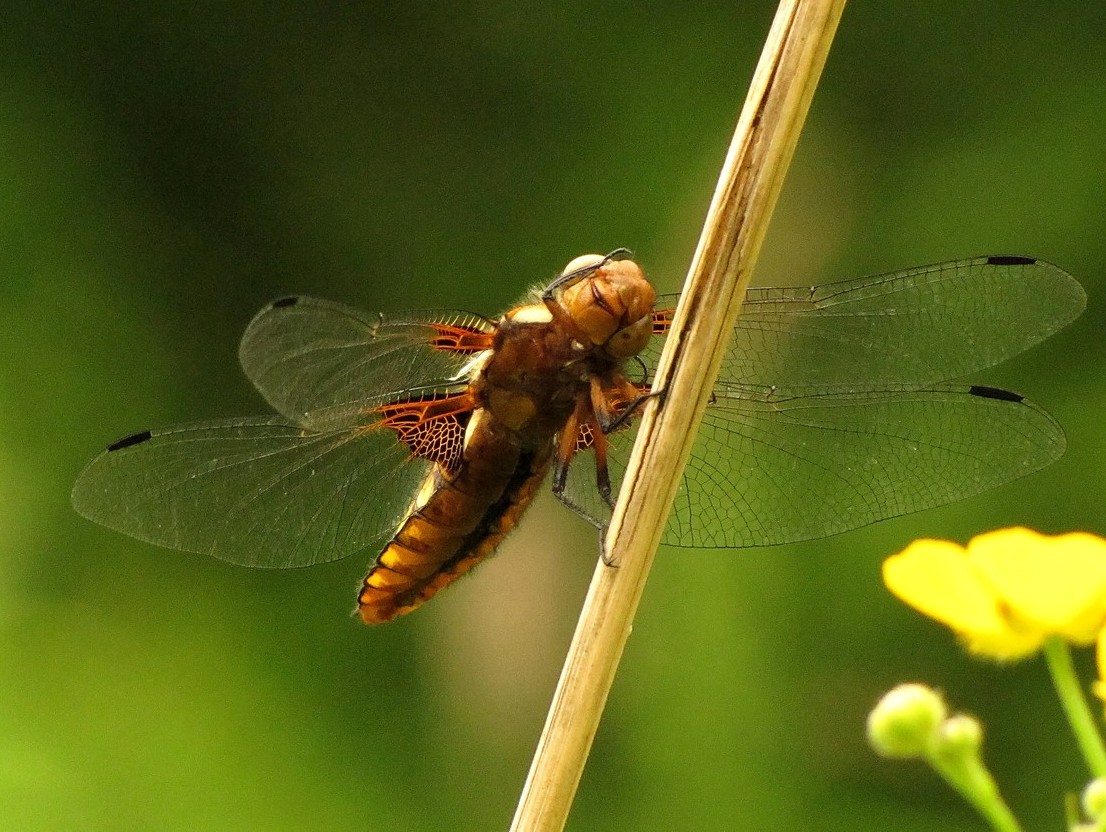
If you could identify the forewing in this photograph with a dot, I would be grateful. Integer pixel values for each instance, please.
(915, 327)
(256, 492)
(324, 365)
(769, 468)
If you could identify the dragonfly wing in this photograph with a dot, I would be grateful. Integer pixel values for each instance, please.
(915, 327)
(256, 492)
(324, 365)
(768, 468)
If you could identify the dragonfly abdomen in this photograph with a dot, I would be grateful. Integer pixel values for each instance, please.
(456, 521)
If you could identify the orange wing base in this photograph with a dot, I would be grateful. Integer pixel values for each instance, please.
(451, 338)
(433, 427)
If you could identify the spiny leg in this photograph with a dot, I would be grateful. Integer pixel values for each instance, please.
(603, 483)
(613, 408)
(583, 421)
(602, 472)
(570, 441)
(567, 445)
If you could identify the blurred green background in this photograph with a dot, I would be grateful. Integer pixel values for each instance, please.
(164, 172)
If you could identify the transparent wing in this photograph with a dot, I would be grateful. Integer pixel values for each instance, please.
(256, 492)
(770, 468)
(323, 365)
(915, 327)
(829, 413)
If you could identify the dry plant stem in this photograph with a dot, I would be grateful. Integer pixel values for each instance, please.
(748, 186)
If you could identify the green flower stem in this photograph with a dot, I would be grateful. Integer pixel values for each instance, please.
(1070, 691)
(969, 776)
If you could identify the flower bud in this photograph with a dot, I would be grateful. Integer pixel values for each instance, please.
(906, 721)
(959, 736)
(1094, 799)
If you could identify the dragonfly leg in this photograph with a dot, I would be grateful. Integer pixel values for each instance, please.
(604, 553)
(610, 416)
(581, 430)
(633, 407)
(558, 313)
(602, 472)
(567, 445)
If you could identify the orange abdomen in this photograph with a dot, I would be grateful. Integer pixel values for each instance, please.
(460, 521)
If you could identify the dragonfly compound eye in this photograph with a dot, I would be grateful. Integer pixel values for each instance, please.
(616, 297)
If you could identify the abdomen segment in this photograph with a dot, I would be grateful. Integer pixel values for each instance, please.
(460, 522)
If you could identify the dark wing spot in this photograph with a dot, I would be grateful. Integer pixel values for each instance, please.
(994, 393)
(280, 303)
(1010, 260)
(127, 441)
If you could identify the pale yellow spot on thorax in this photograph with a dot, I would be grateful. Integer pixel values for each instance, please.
(536, 314)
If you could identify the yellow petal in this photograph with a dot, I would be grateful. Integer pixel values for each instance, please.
(1056, 584)
(1100, 654)
(934, 577)
(1015, 642)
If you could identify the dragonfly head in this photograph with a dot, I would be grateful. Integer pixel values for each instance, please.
(612, 303)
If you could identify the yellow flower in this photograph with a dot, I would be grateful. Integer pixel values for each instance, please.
(1007, 590)
(1099, 687)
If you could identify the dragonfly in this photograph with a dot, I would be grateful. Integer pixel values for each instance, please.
(425, 435)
